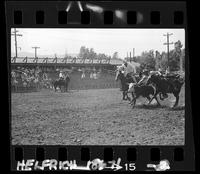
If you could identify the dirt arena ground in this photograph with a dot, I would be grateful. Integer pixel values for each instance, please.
(94, 117)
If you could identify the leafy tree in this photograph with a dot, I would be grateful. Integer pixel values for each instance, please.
(175, 56)
(92, 54)
(89, 53)
(82, 52)
(183, 58)
(158, 60)
(147, 60)
(164, 61)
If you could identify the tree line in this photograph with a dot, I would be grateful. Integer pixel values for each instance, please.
(89, 53)
(154, 60)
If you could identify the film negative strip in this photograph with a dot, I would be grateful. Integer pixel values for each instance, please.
(99, 86)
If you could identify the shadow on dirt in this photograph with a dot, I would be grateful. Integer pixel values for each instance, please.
(152, 107)
(178, 108)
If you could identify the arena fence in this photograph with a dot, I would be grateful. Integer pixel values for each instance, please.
(76, 83)
(22, 89)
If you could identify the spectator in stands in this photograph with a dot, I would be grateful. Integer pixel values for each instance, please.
(91, 75)
(45, 77)
(83, 73)
(95, 75)
(98, 74)
(13, 74)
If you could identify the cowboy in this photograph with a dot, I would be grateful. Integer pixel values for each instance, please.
(91, 75)
(61, 75)
(158, 73)
(129, 70)
(145, 75)
(83, 73)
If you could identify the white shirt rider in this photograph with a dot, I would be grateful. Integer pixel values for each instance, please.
(129, 68)
(61, 75)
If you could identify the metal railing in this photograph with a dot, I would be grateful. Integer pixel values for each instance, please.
(56, 60)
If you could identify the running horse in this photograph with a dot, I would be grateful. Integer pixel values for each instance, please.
(124, 83)
(167, 84)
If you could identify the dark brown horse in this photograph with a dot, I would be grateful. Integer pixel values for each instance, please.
(124, 84)
(167, 84)
(61, 83)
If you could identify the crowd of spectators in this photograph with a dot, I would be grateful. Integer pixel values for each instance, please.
(28, 77)
(38, 78)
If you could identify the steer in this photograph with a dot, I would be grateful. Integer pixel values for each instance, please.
(144, 91)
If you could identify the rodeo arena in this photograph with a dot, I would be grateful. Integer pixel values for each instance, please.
(75, 101)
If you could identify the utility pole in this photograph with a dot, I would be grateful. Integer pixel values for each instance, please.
(167, 43)
(133, 52)
(35, 51)
(15, 35)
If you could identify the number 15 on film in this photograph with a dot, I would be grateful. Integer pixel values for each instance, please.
(130, 166)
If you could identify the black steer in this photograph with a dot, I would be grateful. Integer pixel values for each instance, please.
(143, 91)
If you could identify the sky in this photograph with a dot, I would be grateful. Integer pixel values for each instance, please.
(59, 41)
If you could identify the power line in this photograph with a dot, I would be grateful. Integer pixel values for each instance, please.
(167, 43)
(15, 35)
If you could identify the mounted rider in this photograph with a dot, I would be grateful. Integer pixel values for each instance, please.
(129, 70)
(162, 75)
(143, 80)
(61, 75)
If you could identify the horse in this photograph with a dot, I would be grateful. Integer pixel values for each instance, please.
(166, 84)
(61, 83)
(124, 83)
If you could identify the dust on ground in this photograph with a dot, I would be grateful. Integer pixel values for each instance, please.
(94, 117)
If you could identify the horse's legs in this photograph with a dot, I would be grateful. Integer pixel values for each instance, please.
(124, 94)
(177, 100)
(132, 98)
(149, 98)
(66, 87)
(134, 101)
(128, 96)
(157, 101)
(61, 89)
(154, 97)
(55, 87)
